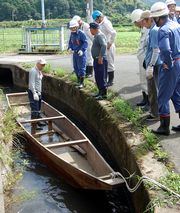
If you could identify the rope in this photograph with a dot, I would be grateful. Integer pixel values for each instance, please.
(143, 178)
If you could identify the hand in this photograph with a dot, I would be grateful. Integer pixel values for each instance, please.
(149, 72)
(165, 66)
(80, 52)
(36, 97)
(100, 60)
(109, 45)
(39, 93)
(70, 51)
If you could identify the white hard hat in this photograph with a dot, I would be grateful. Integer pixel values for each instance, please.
(41, 61)
(177, 9)
(73, 23)
(77, 18)
(136, 15)
(159, 9)
(168, 2)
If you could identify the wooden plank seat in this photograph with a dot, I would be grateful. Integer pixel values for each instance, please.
(42, 119)
(20, 104)
(68, 143)
(50, 132)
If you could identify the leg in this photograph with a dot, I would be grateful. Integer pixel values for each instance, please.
(81, 62)
(111, 68)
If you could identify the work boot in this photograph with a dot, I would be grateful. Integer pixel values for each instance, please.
(102, 95)
(176, 128)
(164, 126)
(81, 82)
(40, 123)
(99, 93)
(89, 71)
(110, 79)
(144, 100)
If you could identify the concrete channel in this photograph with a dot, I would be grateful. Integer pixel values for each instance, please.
(96, 117)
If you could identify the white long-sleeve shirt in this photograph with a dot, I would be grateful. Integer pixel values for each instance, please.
(108, 30)
(35, 80)
(143, 43)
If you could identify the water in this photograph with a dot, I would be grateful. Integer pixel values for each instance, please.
(47, 193)
(41, 191)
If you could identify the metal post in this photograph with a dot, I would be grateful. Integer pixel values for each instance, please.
(43, 14)
(89, 10)
(62, 38)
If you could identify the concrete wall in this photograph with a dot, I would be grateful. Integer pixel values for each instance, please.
(95, 117)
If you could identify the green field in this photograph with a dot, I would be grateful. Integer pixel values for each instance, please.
(11, 39)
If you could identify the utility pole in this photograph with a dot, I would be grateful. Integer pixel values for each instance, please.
(89, 10)
(43, 14)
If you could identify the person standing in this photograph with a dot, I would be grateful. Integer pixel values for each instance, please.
(35, 90)
(85, 28)
(100, 60)
(78, 45)
(108, 30)
(152, 63)
(178, 14)
(169, 75)
(171, 4)
(135, 17)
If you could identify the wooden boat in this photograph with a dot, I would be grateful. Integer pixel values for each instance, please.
(63, 147)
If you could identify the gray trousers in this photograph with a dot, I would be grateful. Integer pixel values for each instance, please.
(152, 92)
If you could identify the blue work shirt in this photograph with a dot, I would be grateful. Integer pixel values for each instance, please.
(173, 18)
(152, 44)
(78, 41)
(169, 42)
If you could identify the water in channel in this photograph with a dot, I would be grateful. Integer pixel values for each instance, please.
(41, 191)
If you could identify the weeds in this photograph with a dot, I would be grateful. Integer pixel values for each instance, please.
(59, 72)
(125, 109)
(47, 68)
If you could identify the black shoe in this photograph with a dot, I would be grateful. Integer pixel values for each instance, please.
(176, 128)
(152, 118)
(89, 71)
(144, 101)
(39, 123)
(102, 95)
(81, 82)
(110, 79)
(164, 126)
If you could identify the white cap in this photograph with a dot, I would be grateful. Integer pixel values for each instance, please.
(73, 23)
(41, 61)
(77, 18)
(145, 14)
(169, 2)
(159, 9)
(136, 15)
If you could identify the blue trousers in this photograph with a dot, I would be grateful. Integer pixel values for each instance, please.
(79, 64)
(100, 71)
(169, 88)
(35, 105)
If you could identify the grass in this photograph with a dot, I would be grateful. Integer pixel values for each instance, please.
(11, 39)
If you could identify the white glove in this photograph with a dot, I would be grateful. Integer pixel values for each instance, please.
(149, 72)
(36, 97)
(80, 52)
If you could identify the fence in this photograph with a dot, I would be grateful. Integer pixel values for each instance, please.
(33, 39)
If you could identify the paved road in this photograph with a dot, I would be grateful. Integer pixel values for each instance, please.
(126, 84)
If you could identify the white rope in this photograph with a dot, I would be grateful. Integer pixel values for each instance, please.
(143, 178)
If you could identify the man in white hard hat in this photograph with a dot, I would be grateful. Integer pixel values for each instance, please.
(78, 44)
(178, 14)
(169, 73)
(171, 4)
(135, 17)
(152, 63)
(85, 28)
(35, 90)
(110, 33)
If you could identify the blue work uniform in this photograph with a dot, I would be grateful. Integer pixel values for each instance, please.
(78, 41)
(169, 79)
(173, 18)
